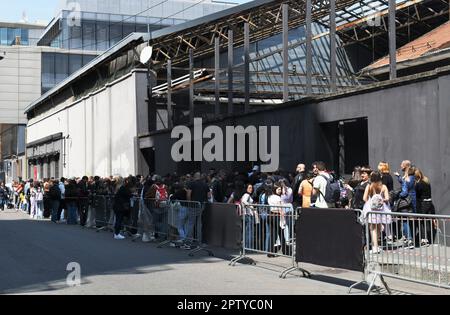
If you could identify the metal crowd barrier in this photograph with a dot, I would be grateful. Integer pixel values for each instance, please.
(104, 214)
(270, 230)
(411, 247)
(177, 223)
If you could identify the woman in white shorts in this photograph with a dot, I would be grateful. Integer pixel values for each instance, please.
(376, 199)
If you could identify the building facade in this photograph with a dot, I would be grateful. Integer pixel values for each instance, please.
(36, 58)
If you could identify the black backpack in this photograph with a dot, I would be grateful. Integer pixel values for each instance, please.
(333, 190)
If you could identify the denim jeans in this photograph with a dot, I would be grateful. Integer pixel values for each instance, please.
(249, 231)
(160, 221)
(54, 206)
(72, 213)
(185, 224)
(40, 209)
(118, 224)
(406, 230)
(2, 204)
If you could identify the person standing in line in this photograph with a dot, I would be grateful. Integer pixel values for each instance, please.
(54, 195)
(27, 192)
(358, 192)
(385, 170)
(376, 198)
(306, 189)
(251, 215)
(3, 196)
(71, 199)
(38, 201)
(425, 206)
(62, 203)
(277, 222)
(122, 205)
(83, 199)
(408, 183)
(298, 179)
(320, 185)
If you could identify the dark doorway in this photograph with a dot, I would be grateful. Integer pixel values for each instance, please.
(347, 144)
(149, 156)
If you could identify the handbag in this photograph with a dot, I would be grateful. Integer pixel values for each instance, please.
(404, 204)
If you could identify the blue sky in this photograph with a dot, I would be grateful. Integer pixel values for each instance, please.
(35, 10)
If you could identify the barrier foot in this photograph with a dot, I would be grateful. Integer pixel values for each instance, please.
(135, 238)
(103, 228)
(235, 260)
(306, 273)
(385, 285)
(164, 243)
(372, 285)
(356, 284)
(199, 249)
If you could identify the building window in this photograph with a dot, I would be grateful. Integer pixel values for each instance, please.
(48, 71)
(115, 33)
(3, 36)
(89, 30)
(75, 37)
(61, 67)
(56, 67)
(102, 36)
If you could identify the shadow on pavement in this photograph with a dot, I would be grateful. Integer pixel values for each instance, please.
(35, 254)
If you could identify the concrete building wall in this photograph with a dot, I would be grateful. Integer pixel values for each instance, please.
(20, 81)
(100, 130)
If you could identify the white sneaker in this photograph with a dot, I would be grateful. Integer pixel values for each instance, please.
(119, 237)
(375, 251)
(147, 239)
(389, 240)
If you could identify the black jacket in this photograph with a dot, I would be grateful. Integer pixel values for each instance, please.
(122, 199)
(54, 193)
(72, 193)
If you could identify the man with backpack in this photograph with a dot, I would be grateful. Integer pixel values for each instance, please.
(326, 188)
(157, 199)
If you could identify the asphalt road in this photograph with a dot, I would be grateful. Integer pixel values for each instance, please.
(34, 256)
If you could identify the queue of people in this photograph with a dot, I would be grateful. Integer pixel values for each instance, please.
(68, 200)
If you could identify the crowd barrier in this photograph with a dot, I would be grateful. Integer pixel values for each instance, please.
(269, 230)
(330, 237)
(222, 225)
(176, 223)
(411, 247)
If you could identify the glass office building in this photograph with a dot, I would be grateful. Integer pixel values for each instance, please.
(24, 34)
(57, 66)
(101, 24)
(99, 31)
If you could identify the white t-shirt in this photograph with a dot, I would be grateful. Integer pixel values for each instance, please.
(320, 183)
(247, 199)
